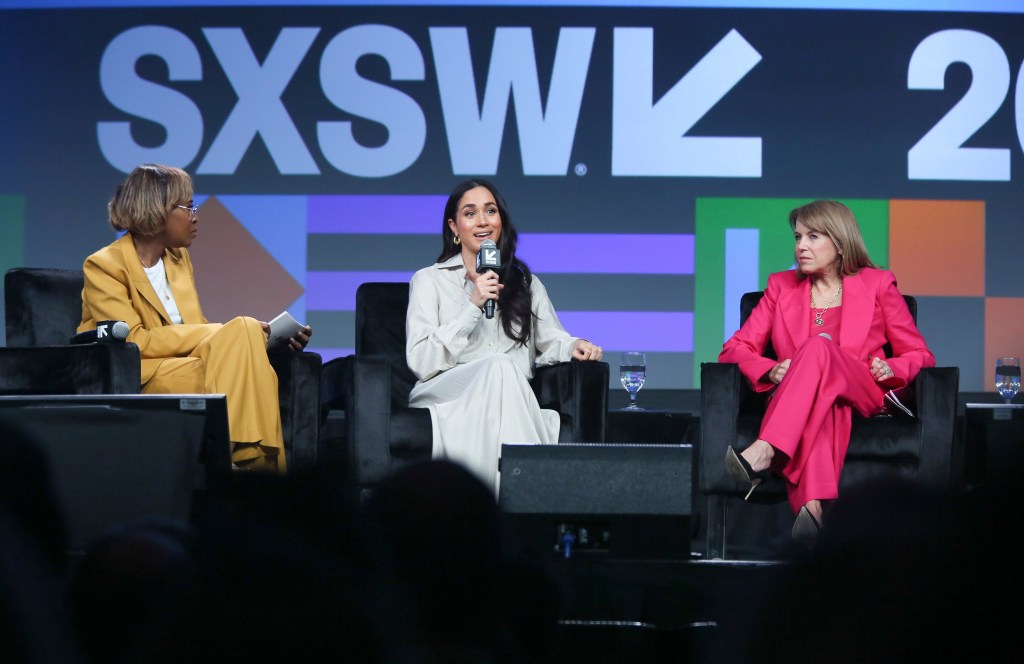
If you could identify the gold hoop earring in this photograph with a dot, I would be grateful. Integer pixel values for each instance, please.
(457, 241)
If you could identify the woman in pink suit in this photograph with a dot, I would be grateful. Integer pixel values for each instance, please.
(828, 321)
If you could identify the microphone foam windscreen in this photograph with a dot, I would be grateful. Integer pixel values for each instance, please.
(120, 330)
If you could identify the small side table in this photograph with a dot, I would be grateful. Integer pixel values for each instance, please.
(993, 438)
(652, 426)
(670, 427)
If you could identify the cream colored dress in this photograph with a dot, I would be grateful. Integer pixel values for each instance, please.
(472, 376)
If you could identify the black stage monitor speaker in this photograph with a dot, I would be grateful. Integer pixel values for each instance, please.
(629, 501)
(210, 409)
(120, 458)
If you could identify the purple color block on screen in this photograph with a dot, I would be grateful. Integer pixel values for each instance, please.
(553, 253)
(336, 291)
(328, 354)
(655, 331)
(390, 215)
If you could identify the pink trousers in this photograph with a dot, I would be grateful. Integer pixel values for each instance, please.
(809, 417)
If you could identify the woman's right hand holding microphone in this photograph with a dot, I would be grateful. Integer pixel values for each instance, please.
(487, 288)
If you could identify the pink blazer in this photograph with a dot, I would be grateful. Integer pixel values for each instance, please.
(874, 312)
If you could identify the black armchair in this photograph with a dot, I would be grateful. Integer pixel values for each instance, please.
(382, 432)
(44, 306)
(919, 448)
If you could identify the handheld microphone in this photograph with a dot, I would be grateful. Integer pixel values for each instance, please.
(488, 259)
(106, 332)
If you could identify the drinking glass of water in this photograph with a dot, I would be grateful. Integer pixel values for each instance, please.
(1008, 377)
(633, 373)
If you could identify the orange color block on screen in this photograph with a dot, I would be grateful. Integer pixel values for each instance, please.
(1004, 320)
(938, 247)
(226, 257)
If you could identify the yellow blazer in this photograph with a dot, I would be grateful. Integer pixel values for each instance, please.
(116, 288)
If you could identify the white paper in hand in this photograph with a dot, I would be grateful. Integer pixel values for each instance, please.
(895, 406)
(282, 328)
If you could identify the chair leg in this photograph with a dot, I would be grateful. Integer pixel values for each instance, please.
(717, 506)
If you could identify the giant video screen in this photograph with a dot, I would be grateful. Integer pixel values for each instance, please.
(649, 154)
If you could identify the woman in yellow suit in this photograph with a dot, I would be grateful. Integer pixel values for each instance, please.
(145, 279)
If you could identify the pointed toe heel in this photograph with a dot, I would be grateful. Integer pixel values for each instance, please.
(740, 470)
(806, 528)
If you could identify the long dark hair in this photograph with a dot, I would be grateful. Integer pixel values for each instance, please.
(515, 300)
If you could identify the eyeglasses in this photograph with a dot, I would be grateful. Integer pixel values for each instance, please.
(193, 210)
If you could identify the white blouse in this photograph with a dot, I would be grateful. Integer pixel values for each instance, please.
(158, 278)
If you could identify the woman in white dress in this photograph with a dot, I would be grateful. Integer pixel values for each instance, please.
(473, 371)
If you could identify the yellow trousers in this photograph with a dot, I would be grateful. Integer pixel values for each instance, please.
(232, 360)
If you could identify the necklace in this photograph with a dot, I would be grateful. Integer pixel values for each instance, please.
(149, 267)
(818, 314)
(165, 289)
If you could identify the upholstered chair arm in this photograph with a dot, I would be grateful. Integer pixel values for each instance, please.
(366, 398)
(935, 395)
(579, 392)
(298, 391)
(81, 369)
(721, 387)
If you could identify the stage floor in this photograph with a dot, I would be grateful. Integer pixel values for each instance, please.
(662, 611)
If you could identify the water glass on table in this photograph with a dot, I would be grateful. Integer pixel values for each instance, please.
(633, 373)
(1008, 377)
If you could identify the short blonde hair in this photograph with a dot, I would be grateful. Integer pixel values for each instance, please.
(837, 221)
(142, 202)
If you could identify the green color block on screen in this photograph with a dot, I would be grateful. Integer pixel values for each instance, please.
(12, 232)
(770, 217)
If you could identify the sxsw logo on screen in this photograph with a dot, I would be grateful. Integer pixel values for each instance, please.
(648, 136)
